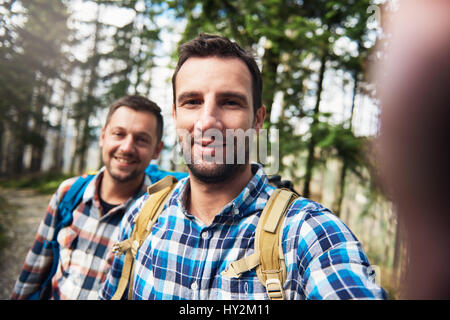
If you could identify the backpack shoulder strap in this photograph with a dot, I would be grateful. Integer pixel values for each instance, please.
(160, 193)
(272, 269)
(71, 200)
(268, 257)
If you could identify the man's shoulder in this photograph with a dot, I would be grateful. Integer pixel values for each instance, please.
(305, 205)
(310, 221)
(304, 210)
(67, 184)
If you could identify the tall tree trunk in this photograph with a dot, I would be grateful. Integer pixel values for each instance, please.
(399, 254)
(58, 147)
(341, 190)
(2, 136)
(270, 63)
(90, 99)
(36, 106)
(39, 128)
(19, 130)
(77, 127)
(341, 186)
(310, 161)
(139, 71)
(74, 158)
(16, 151)
(355, 92)
(84, 144)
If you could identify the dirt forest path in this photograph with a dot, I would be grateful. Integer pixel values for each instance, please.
(28, 208)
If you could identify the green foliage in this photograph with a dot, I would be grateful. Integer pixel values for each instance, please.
(340, 142)
(45, 183)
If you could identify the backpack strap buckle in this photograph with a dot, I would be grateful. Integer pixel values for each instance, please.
(235, 269)
(121, 247)
(274, 289)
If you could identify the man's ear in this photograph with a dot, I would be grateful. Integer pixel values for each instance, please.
(102, 137)
(259, 118)
(158, 150)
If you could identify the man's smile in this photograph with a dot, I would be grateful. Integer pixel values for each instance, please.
(125, 161)
(207, 146)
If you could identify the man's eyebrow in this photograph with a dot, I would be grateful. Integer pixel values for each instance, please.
(116, 127)
(139, 133)
(187, 95)
(233, 94)
(143, 134)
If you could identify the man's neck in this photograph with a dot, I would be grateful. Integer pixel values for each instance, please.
(115, 192)
(206, 200)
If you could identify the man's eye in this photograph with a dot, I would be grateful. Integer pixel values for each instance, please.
(231, 103)
(192, 102)
(142, 140)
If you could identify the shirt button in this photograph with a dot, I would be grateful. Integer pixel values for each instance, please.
(205, 235)
(194, 285)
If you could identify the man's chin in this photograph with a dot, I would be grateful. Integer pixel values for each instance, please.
(215, 173)
(123, 177)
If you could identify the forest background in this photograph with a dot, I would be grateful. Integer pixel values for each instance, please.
(63, 62)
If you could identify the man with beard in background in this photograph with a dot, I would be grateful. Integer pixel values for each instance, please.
(130, 139)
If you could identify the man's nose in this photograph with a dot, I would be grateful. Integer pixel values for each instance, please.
(127, 144)
(210, 117)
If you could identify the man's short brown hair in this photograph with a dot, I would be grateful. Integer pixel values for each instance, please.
(138, 103)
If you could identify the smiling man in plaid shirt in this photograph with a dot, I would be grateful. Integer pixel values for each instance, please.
(211, 217)
(130, 138)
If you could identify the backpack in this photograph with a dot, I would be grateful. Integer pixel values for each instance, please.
(157, 174)
(64, 217)
(268, 257)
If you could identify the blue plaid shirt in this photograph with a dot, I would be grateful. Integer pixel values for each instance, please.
(183, 258)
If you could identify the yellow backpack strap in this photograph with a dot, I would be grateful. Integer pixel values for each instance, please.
(159, 194)
(271, 271)
(268, 257)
